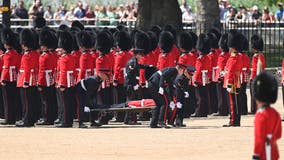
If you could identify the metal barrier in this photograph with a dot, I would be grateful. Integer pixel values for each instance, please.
(271, 32)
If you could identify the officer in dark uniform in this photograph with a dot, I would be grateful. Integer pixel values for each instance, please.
(161, 89)
(87, 90)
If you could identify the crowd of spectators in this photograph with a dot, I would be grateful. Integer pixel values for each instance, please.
(107, 15)
(111, 15)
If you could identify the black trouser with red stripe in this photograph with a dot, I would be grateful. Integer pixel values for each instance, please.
(243, 99)
(66, 101)
(119, 96)
(1, 104)
(158, 113)
(190, 102)
(12, 103)
(49, 104)
(30, 102)
(213, 98)
(253, 100)
(223, 100)
(235, 111)
(202, 99)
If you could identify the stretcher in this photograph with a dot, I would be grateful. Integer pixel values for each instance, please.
(143, 105)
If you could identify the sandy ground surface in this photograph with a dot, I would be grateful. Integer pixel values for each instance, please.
(202, 139)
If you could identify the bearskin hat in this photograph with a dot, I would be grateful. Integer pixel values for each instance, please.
(157, 30)
(103, 42)
(132, 36)
(84, 39)
(223, 42)
(65, 41)
(121, 27)
(75, 45)
(39, 22)
(153, 40)
(142, 41)
(213, 40)
(166, 41)
(215, 31)
(257, 43)
(46, 38)
(170, 28)
(245, 43)
(27, 38)
(77, 24)
(8, 37)
(203, 43)
(36, 38)
(185, 41)
(63, 27)
(194, 39)
(265, 87)
(234, 40)
(123, 40)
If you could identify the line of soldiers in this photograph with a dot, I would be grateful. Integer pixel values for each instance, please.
(51, 76)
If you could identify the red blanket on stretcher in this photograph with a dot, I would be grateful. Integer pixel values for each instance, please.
(142, 103)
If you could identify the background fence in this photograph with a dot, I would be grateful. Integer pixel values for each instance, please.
(271, 32)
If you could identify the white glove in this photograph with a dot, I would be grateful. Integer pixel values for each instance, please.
(87, 109)
(186, 94)
(229, 90)
(136, 87)
(172, 105)
(179, 105)
(222, 73)
(161, 90)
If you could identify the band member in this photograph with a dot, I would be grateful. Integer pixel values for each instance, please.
(201, 76)
(66, 79)
(267, 123)
(258, 64)
(86, 91)
(161, 89)
(122, 56)
(222, 94)
(11, 65)
(104, 60)
(245, 73)
(46, 77)
(27, 79)
(154, 49)
(185, 42)
(181, 94)
(213, 56)
(232, 77)
(166, 42)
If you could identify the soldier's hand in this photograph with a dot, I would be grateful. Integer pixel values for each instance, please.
(136, 87)
(172, 105)
(25, 86)
(3, 83)
(179, 105)
(39, 89)
(161, 90)
(186, 94)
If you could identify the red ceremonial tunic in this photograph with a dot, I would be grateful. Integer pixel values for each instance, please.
(233, 69)
(46, 69)
(221, 63)
(202, 67)
(85, 65)
(66, 68)
(254, 62)
(245, 69)
(121, 58)
(11, 65)
(267, 122)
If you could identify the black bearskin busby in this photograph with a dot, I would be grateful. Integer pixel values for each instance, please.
(194, 39)
(123, 40)
(265, 88)
(46, 38)
(171, 28)
(166, 41)
(153, 40)
(185, 41)
(257, 43)
(39, 22)
(142, 41)
(234, 40)
(103, 42)
(213, 40)
(215, 31)
(84, 39)
(8, 37)
(65, 41)
(223, 42)
(27, 38)
(77, 24)
(157, 30)
(203, 44)
(245, 43)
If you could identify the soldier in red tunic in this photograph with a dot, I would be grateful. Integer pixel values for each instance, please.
(166, 42)
(188, 58)
(2, 51)
(66, 79)
(257, 65)
(201, 76)
(46, 76)
(27, 79)
(267, 123)
(232, 77)
(244, 77)
(223, 97)
(11, 65)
